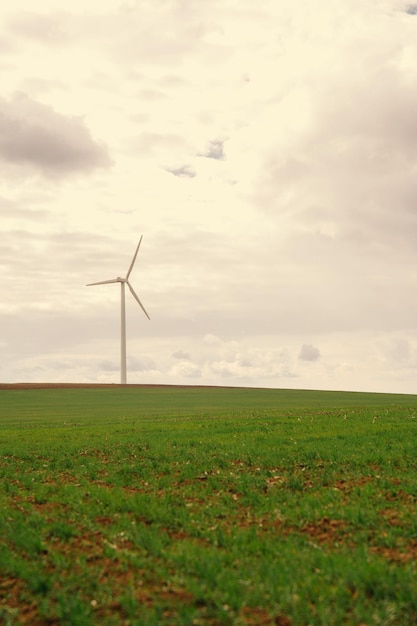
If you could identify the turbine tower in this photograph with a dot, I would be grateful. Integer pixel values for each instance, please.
(123, 282)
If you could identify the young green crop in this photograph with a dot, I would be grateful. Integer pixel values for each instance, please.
(207, 506)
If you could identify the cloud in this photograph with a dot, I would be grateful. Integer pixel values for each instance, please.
(214, 150)
(255, 366)
(150, 143)
(351, 156)
(180, 354)
(212, 340)
(309, 109)
(309, 353)
(243, 361)
(143, 364)
(185, 369)
(50, 29)
(6, 46)
(108, 366)
(34, 135)
(182, 172)
(397, 351)
(166, 36)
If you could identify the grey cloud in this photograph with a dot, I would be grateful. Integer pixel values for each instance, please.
(246, 362)
(182, 172)
(309, 353)
(33, 134)
(411, 9)
(357, 163)
(214, 150)
(180, 354)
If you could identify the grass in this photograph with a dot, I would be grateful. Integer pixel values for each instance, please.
(180, 506)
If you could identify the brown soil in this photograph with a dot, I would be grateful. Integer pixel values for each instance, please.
(22, 386)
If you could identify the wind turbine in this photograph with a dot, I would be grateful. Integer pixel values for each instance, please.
(123, 282)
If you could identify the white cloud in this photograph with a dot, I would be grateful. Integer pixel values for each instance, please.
(212, 340)
(257, 366)
(185, 370)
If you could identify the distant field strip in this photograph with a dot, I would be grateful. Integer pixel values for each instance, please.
(207, 506)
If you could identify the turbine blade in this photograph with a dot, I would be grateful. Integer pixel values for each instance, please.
(134, 258)
(104, 282)
(134, 294)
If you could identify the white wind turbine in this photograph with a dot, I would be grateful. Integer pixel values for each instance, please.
(123, 282)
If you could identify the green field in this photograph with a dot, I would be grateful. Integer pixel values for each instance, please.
(154, 506)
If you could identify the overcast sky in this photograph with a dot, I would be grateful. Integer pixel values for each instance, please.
(265, 149)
